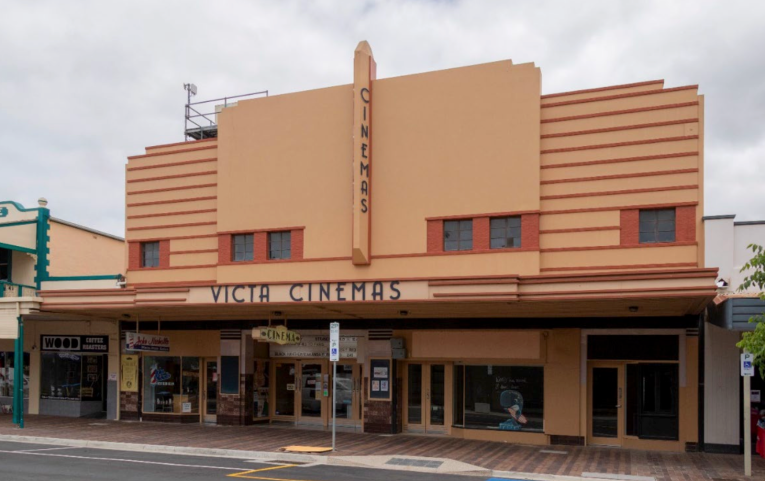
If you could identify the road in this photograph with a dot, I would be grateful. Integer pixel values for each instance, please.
(24, 461)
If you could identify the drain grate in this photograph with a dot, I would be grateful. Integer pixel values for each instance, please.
(420, 463)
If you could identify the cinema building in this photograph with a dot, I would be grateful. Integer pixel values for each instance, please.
(504, 265)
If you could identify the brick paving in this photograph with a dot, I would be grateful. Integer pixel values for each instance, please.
(490, 455)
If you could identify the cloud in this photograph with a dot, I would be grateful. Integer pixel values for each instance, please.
(85, 84)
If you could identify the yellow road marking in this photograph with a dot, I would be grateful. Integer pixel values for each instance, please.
(244, 474)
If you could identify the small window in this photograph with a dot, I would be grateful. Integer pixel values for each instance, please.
(505, 232)
(150, 254)
(657, 225)
(5, 264)
(458, 235)
(243, 247)
(279, 245)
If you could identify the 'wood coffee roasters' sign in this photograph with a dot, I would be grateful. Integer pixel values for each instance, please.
(75, 343)
(308, 292)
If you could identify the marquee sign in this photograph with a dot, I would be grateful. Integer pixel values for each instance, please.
(364, 72)
(279, 334)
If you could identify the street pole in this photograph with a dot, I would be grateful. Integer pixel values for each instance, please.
(747, 371)
(334, 411)
(334, 356)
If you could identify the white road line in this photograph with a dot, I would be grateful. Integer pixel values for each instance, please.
(44, 449)
(137, 461)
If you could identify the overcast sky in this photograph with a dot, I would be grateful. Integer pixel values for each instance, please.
(85, 84)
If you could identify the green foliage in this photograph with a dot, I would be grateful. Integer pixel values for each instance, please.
(754, 341)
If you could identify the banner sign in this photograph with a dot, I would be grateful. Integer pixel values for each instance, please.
(279, 335)
(135, 341)
(129, 368)
(316, 347)
(74, 343)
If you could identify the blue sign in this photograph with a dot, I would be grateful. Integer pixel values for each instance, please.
(3, 211)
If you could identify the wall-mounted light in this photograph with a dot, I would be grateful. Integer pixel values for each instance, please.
(633, 308)
(403, 313)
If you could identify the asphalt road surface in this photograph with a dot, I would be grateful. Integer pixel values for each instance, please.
(24, 461)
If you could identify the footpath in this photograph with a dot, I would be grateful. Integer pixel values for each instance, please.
(435, 454)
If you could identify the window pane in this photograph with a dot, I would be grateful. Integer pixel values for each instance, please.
(498, 243)
(504, 398)
(190, 387)
(161, 384)
(666, 214)
(450, 245)
(150, 257)
(60, 375)
(286, 240)
(466, 225)
(667, 226)
(92, 386)
(647, 216)
(466, 245)
(286, 254)
(647, 226)
(647, 237)
(498, 233)
(667, 236)
(514, 222)
(451, 226)
(498, 223)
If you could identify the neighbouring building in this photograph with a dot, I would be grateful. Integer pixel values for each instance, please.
(727, 249)
(504, 265)
(66, 358)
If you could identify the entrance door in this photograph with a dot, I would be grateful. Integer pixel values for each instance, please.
(427, 406)
(285, 386)
(210, 405)
(606, 404)
(348, 395)
(311, 393)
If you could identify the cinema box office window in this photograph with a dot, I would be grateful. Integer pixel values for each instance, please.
(73, 375)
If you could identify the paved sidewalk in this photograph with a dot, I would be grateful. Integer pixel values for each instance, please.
(537, 461)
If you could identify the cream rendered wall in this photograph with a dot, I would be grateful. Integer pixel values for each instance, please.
(77, 252)
(719, 248)
(721, 386)
(23, 268)
(745, 234)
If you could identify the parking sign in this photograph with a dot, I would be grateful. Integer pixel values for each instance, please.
(747, 364)
(334, 342)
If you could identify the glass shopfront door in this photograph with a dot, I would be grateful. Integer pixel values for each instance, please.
(311, 392)
(284, 388)
(427, 406)
(210, 406)
(606, 402)
(348, 396)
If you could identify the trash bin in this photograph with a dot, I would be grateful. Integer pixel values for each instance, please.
(760, 446)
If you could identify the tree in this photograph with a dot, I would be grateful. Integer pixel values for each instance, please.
(754, 341)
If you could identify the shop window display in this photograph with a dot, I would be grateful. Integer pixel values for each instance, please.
(7, 377)
(260, 388)
(505, 398)
(171, 384)
(60, 376)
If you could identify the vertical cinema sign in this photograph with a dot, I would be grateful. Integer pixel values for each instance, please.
(364, 72)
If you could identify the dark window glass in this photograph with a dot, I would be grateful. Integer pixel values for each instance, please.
(505, 398)
(243, 250)
(60, 375)
(92, 388)
(636, 347)
(459, 396)
(5, 264)
(229, 375)
(150, 254)
(171, 384)
(505, 232)
(657, 225)
(414, 397)
(652, 401)
(279, 245)
(458, 235)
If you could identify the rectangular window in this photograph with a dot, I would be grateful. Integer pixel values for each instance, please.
(7, 374)
(229, 374)
(657, 225)
(504, 398)
(60, 375)
(243, 247)
(5, 265)
(171, 384)
(149, 254)
(505, 232)
(458, 235)
(279, 245)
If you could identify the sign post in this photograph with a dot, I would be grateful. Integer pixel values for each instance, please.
(334, 356)
(747, 371)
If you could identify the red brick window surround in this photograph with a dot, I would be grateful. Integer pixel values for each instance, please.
(260, 251)
(652, 226)
(522, 229)
(148, 254)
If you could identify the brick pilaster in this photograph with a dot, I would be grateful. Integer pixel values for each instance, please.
(164, 253)
(629, 223)
(481, 234)
(260, 247)
(224, 249)
(296, 241)
(530, 231)
(435, 236)
(685, 223)
(134, 255)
